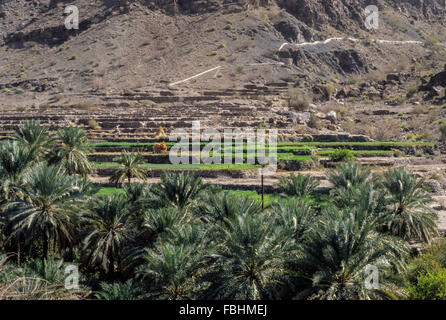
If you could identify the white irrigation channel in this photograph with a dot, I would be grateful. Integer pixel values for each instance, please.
(315, 43)
(221, 67)
(303, 44)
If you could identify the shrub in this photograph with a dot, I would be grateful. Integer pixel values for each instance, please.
(425, 136)
(411, 92)
(397, 153)
(341, 155)
(87, 105)
(443, 132)
(314, 122)
(240, 69)
(57, 97)
(429, 286)
(299, 105)
(431, 42)
(329, 89)
(410, 136)
(94, 125)
(430, 261)
(44, 106)
(418, 110)
(160, 147)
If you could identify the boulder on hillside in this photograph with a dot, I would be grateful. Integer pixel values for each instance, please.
(393, 77)
(438, 80)
(331, 116)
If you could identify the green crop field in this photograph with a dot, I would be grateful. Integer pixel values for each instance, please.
(111, 165)
(327, 152)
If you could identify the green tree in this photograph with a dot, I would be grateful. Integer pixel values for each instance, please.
(221, 206)
(130, 168)
(180, 189)
(47, 212)
(170, 270)
(331, 263)
(367, 196)
(35, 137)
(298, 186)
(15, 158)
(107, 221)
(348, 174)
(294, 217)
(410, 216)
(161, 220)
(117, 291)
(249, 260)
(71, 151)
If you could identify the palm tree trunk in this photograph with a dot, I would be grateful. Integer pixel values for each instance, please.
(111, 269)
(18, 250)
(46, 247)
(69, 169)
(263, 192)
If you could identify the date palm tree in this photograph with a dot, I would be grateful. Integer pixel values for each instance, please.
(117, 291)
(294, 217)
(130, 168)
(298, 186)
(48, 210)
(71, 151)
(221, 206)
(161, 220)
(348, 175)
(367, 196)
(331, 263)
(179, 189)
(107, 222)
(170, 271)
(249, 260)
(15, 158)
(410, 216)
(35, 137)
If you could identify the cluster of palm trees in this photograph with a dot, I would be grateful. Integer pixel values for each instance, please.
(182, 239)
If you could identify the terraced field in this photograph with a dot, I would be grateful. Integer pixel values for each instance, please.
(119, 122)
(291, 157)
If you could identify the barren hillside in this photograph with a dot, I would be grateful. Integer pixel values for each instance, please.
(320, 49)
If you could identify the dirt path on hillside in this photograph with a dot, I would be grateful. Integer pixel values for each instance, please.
(327, 41)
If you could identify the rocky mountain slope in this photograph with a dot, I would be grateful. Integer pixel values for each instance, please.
(320, 49)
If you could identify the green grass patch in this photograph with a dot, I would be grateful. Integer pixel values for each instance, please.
(269, 198)
(155, 166)
(373, 143)
(293, 157)
(109, 191)
(328, 152)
